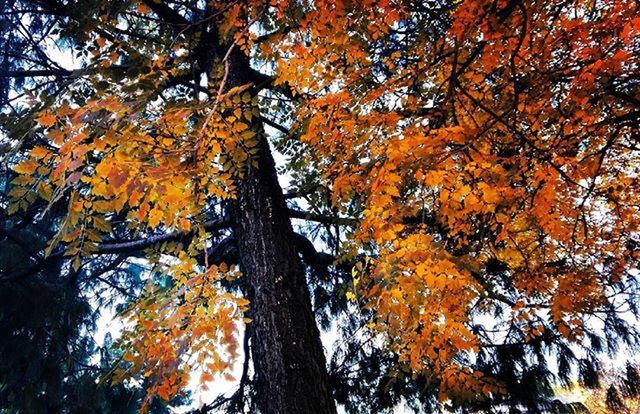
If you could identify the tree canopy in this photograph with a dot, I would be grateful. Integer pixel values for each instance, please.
(462, 177)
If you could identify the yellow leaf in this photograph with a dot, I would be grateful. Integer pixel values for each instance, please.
(44, 190)
(26, 167)
(155, 216)
(77, 262)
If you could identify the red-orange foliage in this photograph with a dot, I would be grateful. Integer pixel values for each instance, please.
(492, 153)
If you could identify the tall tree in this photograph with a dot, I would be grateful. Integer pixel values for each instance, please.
(51, 361)
(473, 166)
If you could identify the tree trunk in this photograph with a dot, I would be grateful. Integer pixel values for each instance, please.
(289, 361)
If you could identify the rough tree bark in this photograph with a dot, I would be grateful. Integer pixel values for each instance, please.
(289, 361)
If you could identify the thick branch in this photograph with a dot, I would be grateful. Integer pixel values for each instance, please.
(166, 13)
(281, 32)
(275, 125)
(321, 218)
(303, 192)
(223, 252)
(228, 254)
(129, 246)
(263, 81)
(141, 244)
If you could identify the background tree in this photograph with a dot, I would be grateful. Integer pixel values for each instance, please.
(475, 163)
(618, 392)
(50, 360)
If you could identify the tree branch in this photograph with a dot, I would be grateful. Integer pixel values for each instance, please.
(34, 73)
(321, 218)
(227, 254)
(166, 13)
(302, 192)
(141, 244)
(129, 246)
(223, 252)
(315, 259)
(275, 125)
